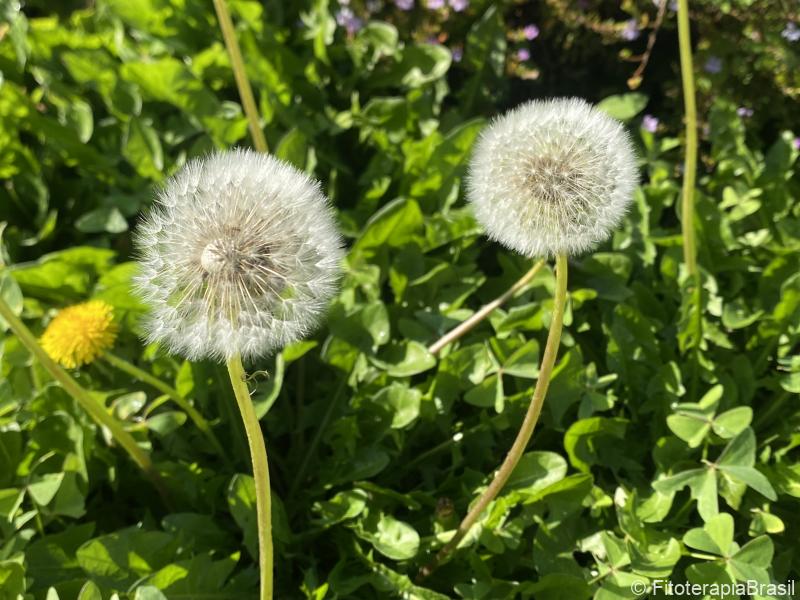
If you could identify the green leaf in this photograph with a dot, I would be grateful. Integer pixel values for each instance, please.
(392, 538)
(751, 477)
(342, 507)
(623, 106)
(402, 401)
(90, 591)
(403, 359)
(394, 225)
(105, 219)
(536, 471)
(715, 537)
(11, 295)
(732, 422)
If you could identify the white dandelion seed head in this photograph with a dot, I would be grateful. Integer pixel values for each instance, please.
(552, 177)
(240, 254)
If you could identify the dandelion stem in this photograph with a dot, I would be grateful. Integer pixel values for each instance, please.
(240, 75)
(526, 430)
(689, 177)
(258, 456)
(95, 410)
(467, 325)
(197, 418)
(690, 161)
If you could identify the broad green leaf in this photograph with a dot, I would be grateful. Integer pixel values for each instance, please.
(402, 401)
(715, 537)
(392, 538)
(623, 106)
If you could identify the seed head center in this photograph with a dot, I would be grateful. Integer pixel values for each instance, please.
(219, 255)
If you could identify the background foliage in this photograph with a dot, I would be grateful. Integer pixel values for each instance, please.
(669, 440)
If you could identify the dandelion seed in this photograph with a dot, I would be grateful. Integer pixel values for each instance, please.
(80, 333)
(552, 177)
(240, 255)
(744, 112)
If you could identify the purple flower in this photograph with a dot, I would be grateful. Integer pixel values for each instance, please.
(345, 18)
(434, 4)
(650, 123)
(796, 143)
(744, 112)
(713, 65)
(791, 32)
(531, 32)
(404, 4)
(631, 30)
(523, 54)
(458, 53)
(459, 5)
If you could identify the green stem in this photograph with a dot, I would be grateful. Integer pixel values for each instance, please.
(142, 375)
(689, 177)
(458, 331)
(690, 162)
(240, 75)
(258, 456)
(81, 396)
(526, 430)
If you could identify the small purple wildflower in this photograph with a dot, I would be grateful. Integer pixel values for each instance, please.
(345, 18)
(434, 4)
(523, 54)
(631, 30)
(791, 32)
(650, 123)
(531, 32)
(459, 5)
(458, 53)
(744, 112)
(713, 65)
(796, 143)
(404, 4)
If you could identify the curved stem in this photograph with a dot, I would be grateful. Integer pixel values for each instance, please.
(528, 424)
(95, 410)
(458, 331)
(145, 377)
(690, 163)
(240, 75)
(258, 456)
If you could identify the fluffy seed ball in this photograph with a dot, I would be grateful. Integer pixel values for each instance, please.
(79, 334)
(240, 254)
(552, 177)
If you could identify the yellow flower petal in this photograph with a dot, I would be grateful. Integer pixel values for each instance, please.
(79, 334)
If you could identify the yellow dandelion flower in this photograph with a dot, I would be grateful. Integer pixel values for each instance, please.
(79, 334)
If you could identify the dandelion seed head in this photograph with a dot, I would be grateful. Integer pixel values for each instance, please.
(552, 177)
(79, 334)
(240, 254)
